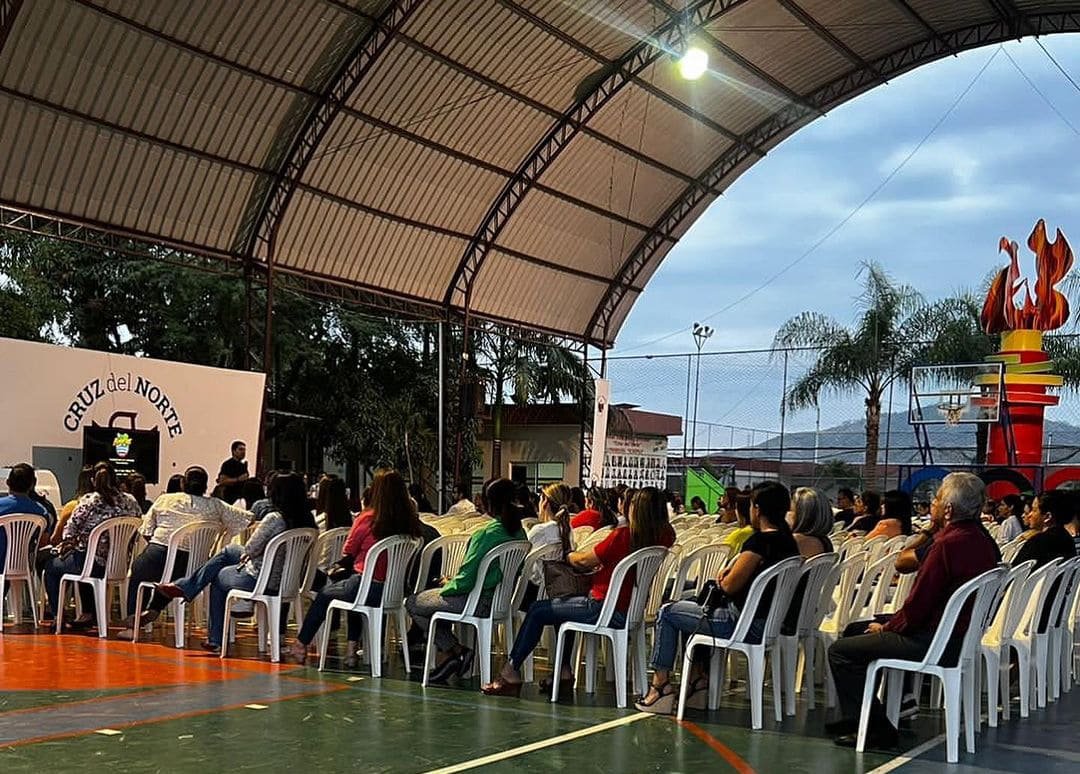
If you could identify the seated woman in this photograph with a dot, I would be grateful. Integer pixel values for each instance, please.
(84, 485)
(895, 516)
(332, 504)
(1011, 512)
(392, 512)
(698, 507)
(771, 542)
(168, 513)
(598, 511)
(106, 501)
(555, 516)
(867, 511)
(648, 527)
(737, 537)
(452, 658)
(811, 520)
(237, 567)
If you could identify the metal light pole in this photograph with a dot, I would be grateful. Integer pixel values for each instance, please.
(702, 333)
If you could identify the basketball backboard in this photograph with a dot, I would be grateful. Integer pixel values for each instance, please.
(962, 394)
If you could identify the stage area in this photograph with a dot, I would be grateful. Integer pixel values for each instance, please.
(76, 701)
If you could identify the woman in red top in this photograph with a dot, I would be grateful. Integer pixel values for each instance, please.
(648, 527)
(392, 512)
(598, 511)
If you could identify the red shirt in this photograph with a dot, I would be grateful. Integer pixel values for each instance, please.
(612, 550)
(962, 551)
(588, 518)
(361, 539)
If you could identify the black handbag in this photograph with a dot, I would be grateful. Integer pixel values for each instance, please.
(712, 597)
(340, 570)
(561, 580)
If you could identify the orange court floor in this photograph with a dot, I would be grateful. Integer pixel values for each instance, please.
(76, 702)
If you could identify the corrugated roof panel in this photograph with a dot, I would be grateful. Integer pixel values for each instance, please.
(774, 40)
(868, 29)
(319, 235)
(366, 165)
(284, 40)
(450, 108)
(956, 13)
(608, 28)
(508, 287)
(647, 123)
(600, 175)
(564, 234)
(72, 58)
(503, 47)
(728, 94)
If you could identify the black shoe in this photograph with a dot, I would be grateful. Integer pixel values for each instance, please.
(876, 739)
(466, 657)
(440, 675)
(841, 727)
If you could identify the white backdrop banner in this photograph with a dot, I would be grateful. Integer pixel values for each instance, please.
(52, 393)
(602, 392)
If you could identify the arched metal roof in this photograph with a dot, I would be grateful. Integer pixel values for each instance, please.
(532, 161)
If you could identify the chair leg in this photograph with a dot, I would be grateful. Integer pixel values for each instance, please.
(402, 628)
(641, 681)
(777, 683)
(864, 711)
(123, 598)
(324, 643)
(590, 662)
(951, 684)
(717, 676)
(484, 635)
(809, 657)
(101, 599)
(179, 622)
(274, 616)
(994, 685)
(788, 648)
(755, 680)
(894, 689)
(560, 643)
(969, 705)
(429, 652)
(135, 628)
(619, 647)
(373, 620)
(2, 595)
(226, 628)
(1023, 657)
(684, 684)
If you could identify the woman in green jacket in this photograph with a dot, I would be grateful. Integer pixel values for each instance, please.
(452, 658)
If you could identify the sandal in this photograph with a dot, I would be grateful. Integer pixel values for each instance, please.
(663, 704)
(501, 687)
(296, 654)
(566, 685)
(698, 697)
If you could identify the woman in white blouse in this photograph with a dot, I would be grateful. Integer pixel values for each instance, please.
(168, 513)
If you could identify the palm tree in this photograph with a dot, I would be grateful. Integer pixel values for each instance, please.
(894, 329)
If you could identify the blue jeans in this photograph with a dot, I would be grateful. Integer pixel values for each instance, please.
(553, 612)
(678, 620)
(346, 591)
(56, 568)
(224, 573)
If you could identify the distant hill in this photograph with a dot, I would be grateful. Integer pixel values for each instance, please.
(846, 442)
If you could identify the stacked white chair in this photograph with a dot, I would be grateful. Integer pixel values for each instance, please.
(295, 546)
(24, 532)
(783, 577)
(398, 552)
(1054, 634)
(818, 571)
(452, 548)
(198, 538)
(836, 621)
(1069, 636)
(958, 681)
(996, 642)
(120, 532)
(700, 565)
(510, 556)
(532, 567)
(644, 564)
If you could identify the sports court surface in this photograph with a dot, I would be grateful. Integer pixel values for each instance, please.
(75, 701)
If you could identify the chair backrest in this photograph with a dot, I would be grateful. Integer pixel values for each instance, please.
(880, 597)
(24, 532)
(295, 546)
(1011, 549)
(644, 563)
(701, 564)
(874, 547)
(873, 573)
(529, 522)
(851, 546)
(399, 551)
(510, 556)
(328, 549)
(533, 559)
(198, 538)
(667, 573)
(594, 538)
(904, 584)
(1011, 600)
(453, 554)
(119, 532)
(579, 534)
(984, 588)
(1036, 591)
(817, 570)
(850, 569)
(783, 576)
(1066, 587)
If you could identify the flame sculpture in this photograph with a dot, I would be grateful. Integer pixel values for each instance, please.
(1050, 310)
(1018, 438)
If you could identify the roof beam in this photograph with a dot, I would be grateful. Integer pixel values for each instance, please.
(915, 16)
(1012, 16)
(822, 32)
(782, 90)
(637, 80)
(642, 55)
(274, 200)
(9, 9)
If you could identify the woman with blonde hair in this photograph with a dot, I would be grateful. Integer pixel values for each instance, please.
(811, 519)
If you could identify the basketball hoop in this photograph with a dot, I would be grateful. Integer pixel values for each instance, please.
(953, 409)
(953, 416)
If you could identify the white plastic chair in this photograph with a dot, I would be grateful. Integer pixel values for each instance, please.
(783, 577)
(644, 563)
(594, 538)
(1069, 632)
(24, 532)
(510, 556)
(995, 642)
(904, 584)
(198, 538)
(1054, 635)
(120, 532)
(706, 562)
(958, 681)
(578, 535)
(328, 549)
(453, 554)
(879, 598)
(837, 620)
(295, 546)
(534, 559)
(851, 546)
(875, 571)
(1040, 640)
(399, 551)
(817, 571)
(1011, 549)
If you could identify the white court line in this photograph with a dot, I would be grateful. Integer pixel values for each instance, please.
(909, 756)
(528, 748)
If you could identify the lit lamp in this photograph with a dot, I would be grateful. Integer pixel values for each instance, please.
(693, 63)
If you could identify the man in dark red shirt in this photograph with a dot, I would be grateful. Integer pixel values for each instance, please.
(961, 551)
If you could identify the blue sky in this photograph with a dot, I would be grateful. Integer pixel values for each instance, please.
(1001, 160)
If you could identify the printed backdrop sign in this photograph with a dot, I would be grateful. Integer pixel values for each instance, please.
(154, 416)
(635, 461)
